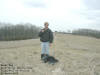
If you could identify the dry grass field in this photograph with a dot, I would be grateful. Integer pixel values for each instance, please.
(77, 55)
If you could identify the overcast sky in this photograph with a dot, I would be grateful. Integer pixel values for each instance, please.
(62, 15)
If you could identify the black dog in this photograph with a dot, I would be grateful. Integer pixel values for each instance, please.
(49, 59)
(52, 60)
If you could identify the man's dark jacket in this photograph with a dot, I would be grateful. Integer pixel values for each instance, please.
(46, 36)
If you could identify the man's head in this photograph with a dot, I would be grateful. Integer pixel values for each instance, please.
(46, 24)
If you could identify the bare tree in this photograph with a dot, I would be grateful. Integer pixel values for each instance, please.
(18, 32)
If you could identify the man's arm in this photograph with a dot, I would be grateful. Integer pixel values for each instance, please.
(41, 33)
(51, 37)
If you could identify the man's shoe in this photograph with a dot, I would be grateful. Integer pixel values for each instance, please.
(42, 55)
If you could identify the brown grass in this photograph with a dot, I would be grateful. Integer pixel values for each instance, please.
(77, 55)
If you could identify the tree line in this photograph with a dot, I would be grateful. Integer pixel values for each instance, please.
(18, 32)
(87, 32)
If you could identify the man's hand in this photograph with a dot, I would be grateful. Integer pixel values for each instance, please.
(42, 30)
(50, 44)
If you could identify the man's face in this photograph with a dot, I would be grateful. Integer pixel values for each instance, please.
(46, 25)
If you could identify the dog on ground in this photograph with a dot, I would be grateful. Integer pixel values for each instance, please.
(49, 59)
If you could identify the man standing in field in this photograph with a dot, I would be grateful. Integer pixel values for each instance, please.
(46, 38)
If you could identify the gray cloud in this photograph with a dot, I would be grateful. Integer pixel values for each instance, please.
(36, 5)
(92, 17)
(92, 4)
(92, 13)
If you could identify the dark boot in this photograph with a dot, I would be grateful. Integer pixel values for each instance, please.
(42, 55)
(45, 58)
